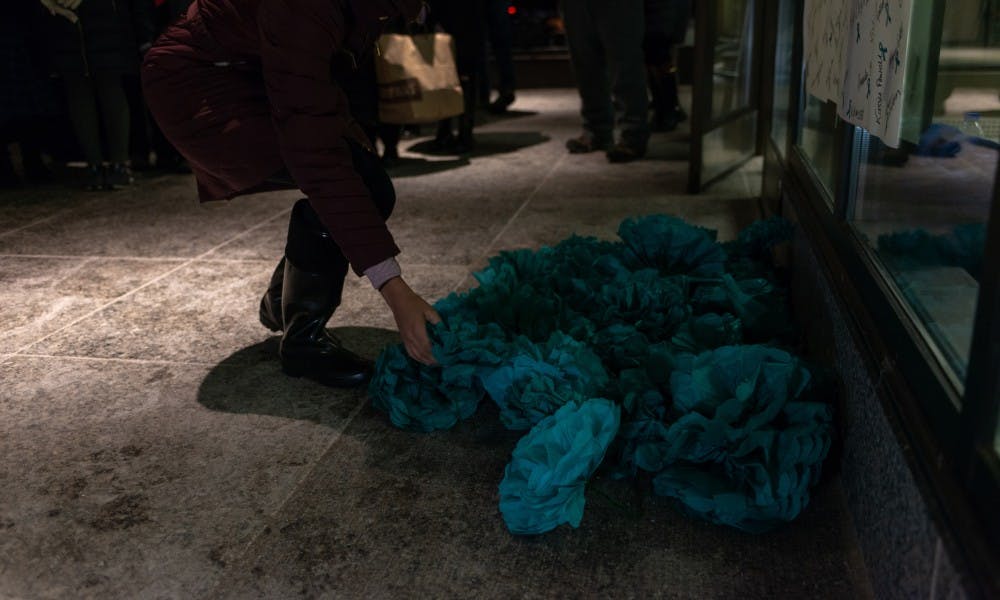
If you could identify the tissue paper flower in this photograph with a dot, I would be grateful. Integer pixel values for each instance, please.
(742, 449)
(672, 246)
(652, 304)
(415, 396)
(421, 398)
(539, 379)
(916, 249)
(757, 302)
(707, 332)
(621, 347)
(652, 323)
(543, 486)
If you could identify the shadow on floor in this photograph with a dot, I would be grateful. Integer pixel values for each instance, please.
(490, 143)
(415, 167)
(483, 118)
(669, 149)
(250, 381)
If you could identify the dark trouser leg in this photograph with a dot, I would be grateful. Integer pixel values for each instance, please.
(621, 27)
(502, 42)
(666, 104)
(589, 62)
(81, 98)
(467, 121)
(390, 135)
(311, 247)
(308, 283)
(662, 78)
(114, 114)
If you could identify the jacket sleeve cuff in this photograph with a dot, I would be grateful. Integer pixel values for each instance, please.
(381, 273)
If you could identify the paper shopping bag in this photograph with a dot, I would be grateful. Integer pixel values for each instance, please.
(417, 79)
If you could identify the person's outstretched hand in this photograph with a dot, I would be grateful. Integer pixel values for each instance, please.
(412, 314)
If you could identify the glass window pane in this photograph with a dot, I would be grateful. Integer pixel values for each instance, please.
(728, 145)
(923, 208)
(732, 82)
(783, 72)
(817, 140)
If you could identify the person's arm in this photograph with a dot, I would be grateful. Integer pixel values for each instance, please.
(311, 116)
(412, 313)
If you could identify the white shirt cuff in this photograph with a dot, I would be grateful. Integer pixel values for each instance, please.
(381, 273)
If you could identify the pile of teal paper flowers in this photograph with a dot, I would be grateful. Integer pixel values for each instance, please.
(662, 354)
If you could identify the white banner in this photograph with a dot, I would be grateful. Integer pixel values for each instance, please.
(875, 57)
(855, 55)
(823, 41)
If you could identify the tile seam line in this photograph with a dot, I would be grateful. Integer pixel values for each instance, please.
(111, 359)
(244, 554)
(48, 218)
(29, 225)
(149, 283)
(125, 257)
(517, 213)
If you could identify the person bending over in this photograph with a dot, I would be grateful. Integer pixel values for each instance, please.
(248, 92)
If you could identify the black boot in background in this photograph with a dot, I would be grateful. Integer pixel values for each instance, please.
(667, 113)
(312, 284)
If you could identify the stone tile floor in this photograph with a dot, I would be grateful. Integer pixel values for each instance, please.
(152, 449)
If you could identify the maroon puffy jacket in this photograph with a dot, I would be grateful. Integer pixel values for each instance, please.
(243, 89)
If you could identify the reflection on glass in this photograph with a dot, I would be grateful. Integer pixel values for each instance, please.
(816, 138)
(923, 207)
(728, 145)
(732, 72)
(782, 72)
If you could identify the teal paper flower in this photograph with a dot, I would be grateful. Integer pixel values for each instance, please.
(707, 332)
(759, 305)
(741, 448)
(543, 486)
(416, 397)
(651, 303)
(758, 240)
(527, 307)
(621, 347)
(652, 323)
(672, 246)
(539, 379)
(421, 398)
(963, 247)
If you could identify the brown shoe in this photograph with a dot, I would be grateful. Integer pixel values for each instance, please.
(586, 143)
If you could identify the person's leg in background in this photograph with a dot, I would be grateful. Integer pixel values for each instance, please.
(81, 98)
(116, 117)
(390, 135)
(621, 27)
(465, 21)
(590, 64)
(666, 24)
(468, 76)
(501, 38)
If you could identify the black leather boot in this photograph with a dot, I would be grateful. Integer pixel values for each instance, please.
(270, 304)
(307, 349)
